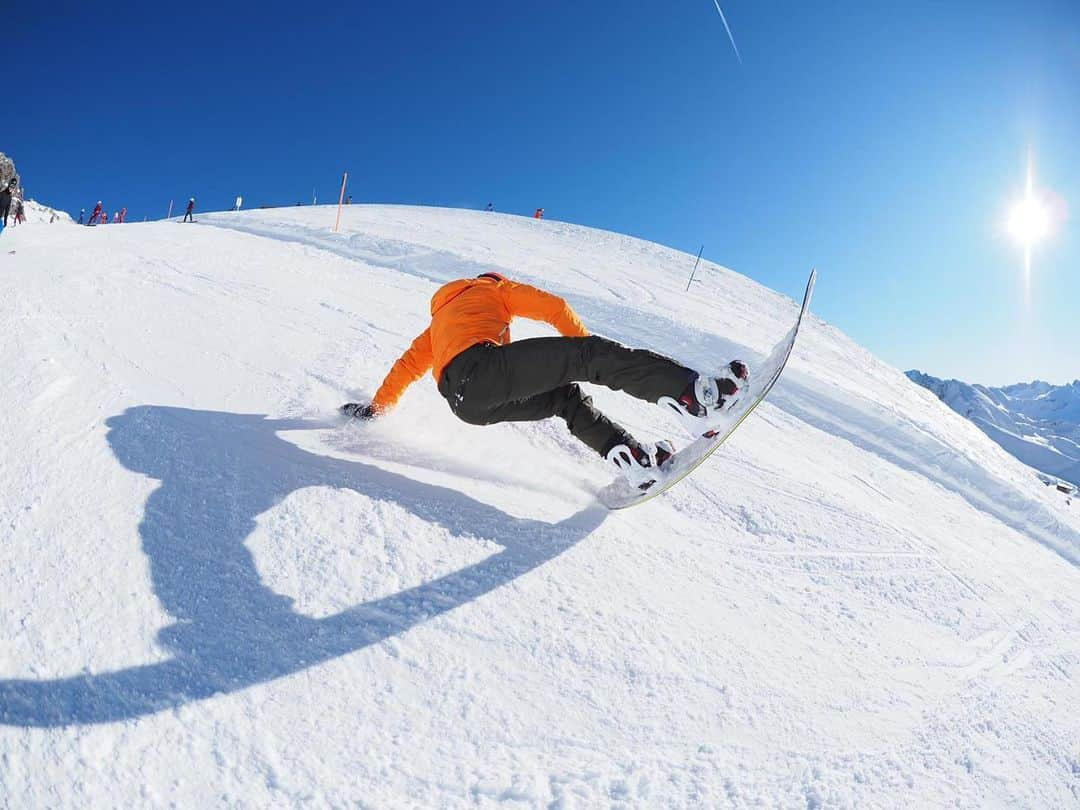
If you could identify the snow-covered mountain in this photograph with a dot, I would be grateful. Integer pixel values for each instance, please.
(1037, 422)
(40, 214)
(213, 593)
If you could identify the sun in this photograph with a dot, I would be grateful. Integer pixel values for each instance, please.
(1029, 220)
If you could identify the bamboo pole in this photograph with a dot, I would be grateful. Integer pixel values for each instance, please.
(341, 199)
(695, 268)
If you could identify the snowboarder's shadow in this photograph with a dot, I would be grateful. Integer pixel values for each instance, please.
(218, 473)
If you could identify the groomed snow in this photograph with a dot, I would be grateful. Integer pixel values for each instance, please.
(214, 594)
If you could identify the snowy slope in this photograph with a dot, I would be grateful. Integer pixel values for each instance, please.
(37, 214)
(215, 595)
(1037, 422)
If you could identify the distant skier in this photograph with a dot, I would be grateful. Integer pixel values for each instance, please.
(539, 213)
(82, 215)
(486, 379)
(189, 215)
(104, 218)
(239, 202)
(20, 212)
(490, 207)
(95, 214)
(123, 214)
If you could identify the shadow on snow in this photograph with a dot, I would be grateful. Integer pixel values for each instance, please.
(218, 473)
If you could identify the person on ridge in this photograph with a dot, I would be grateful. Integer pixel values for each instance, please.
(82, 215)
(188, 214)
(95, 213)
(5, 201)
(539, 213)
(485, 378)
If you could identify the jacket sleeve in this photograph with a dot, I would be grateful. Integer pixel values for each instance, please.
(409, 368)
(529, 302)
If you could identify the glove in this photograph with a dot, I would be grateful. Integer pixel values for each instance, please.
(358, 410)
(727, 385)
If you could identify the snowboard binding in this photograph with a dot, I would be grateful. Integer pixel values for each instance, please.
(640, 468)
(705, 402)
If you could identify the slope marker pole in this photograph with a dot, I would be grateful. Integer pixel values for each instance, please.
(691, 281)
(340, 199)
(169, 215)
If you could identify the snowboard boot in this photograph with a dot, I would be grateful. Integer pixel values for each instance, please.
(705, 402)
(640, 468)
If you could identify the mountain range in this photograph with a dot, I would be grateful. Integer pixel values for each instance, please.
(1037, 422)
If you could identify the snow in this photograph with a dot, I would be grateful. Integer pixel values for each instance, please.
(39, 214)
(214, 594)
(1037, 422)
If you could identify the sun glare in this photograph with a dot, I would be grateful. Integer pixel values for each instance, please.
(1029, 221)
(1032, 219)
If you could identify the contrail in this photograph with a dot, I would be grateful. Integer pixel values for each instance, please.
(728, 29)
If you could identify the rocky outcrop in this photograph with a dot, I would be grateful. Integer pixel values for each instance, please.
(7, 169)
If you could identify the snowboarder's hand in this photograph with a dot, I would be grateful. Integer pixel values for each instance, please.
(358, 410)
(727, 386)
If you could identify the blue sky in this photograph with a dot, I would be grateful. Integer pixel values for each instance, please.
(882, 144)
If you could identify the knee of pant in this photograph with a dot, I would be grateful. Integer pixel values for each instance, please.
(575, 398)
(575, 395)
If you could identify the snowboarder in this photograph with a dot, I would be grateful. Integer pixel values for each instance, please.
(5, 201)
(95, 213)
(486, 379)
(539, 213)
(188, 214)
(82, 215)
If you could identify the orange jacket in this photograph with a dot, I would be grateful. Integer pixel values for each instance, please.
(467, 312)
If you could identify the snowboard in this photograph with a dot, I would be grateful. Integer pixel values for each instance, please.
(621, 494)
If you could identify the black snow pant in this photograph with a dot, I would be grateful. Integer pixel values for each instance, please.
(535, 379)
(188, 217)
(4, 211)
